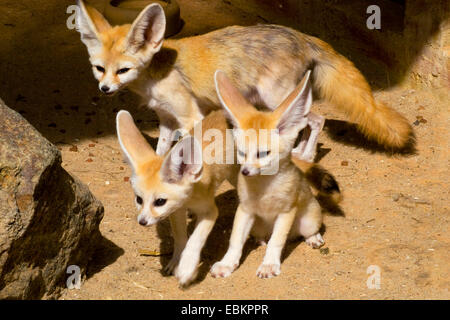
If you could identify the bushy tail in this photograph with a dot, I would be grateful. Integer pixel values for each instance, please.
(339, 82)
(323, 183)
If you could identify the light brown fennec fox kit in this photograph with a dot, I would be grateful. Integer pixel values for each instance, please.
(183, 179)
(276, 204)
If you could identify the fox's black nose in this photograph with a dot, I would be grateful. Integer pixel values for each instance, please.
(105, 89)
(142, 222)
(245, 172)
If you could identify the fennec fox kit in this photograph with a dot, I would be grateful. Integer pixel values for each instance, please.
(175, 76)
(183, 179)
(277, 205)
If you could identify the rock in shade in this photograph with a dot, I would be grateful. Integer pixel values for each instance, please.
(49, 220)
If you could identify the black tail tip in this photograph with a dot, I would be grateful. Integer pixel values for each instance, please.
(324, 182)
(329, 184)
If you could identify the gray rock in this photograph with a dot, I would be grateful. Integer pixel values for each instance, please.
(48, 219)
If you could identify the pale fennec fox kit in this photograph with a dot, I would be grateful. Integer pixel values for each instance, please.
(168, 186)
(266, 62)
(279, 205)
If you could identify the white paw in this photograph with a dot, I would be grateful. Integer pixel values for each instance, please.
(315, 241)
(186, 272)
(185, 275)
(222, 270)
(268, 270)
(173, 263)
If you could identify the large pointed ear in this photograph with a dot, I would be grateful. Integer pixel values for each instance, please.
(293, 110)
(90, 23)
(231, 98)
(147, 31)
(184, 161)
(134, 146)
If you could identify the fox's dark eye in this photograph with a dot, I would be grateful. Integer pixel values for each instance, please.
(159, 202)
(123, 70)
(242, 154)
(139, 200)
(263, 154)
(100, 69)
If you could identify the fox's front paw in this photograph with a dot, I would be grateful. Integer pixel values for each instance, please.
(185, 277)
(173, 263)
(315, 241)
(185, 274)
(268, 270)
(222, 270)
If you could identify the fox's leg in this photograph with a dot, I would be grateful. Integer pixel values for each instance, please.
(187, 267)
(271, 265)
(306, 149)
(243, 222)
(179, 232)
(164, 140)
(167, 126)
(308, 224)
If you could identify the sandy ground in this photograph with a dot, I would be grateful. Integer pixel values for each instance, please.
(395, 212)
